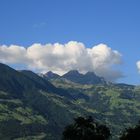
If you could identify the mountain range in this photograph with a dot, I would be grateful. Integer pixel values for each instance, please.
(76, 77)
(38, 107)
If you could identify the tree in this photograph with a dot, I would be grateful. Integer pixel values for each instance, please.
(131, 133)
(86, 129)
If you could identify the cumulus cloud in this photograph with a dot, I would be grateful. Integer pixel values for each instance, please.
(61, 58)
(12, 54)
(138, 66)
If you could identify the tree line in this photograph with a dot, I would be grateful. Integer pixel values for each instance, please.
(89, 129)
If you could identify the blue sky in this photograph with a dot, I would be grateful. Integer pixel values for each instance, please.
(115, 23)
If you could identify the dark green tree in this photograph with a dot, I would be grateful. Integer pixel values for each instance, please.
(86, 129)
(131, 133)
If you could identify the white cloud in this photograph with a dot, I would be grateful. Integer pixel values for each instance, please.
(12, 54)
(138, 66)
(61, 58)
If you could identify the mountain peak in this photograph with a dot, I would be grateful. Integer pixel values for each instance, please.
(88, 78)
(73, 72)
(50, 75)
(90, 73)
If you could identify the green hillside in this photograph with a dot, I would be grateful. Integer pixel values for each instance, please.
(32, 108)
(117, 105)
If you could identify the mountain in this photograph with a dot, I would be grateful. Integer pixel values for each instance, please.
(76, 77)
(18, 82)
(12, 81)
(88, 78)
(32, 107)
(116, 105)
(73, 76)
(50, 75)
